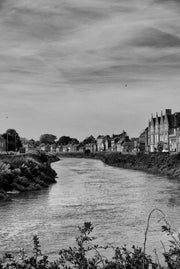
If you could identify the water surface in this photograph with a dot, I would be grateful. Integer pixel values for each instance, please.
(117, 201)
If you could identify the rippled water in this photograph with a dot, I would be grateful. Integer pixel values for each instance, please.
(116, 200)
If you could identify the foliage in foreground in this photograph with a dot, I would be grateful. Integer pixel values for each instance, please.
(87, 255)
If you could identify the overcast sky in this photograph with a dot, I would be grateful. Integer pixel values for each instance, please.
(82, 67)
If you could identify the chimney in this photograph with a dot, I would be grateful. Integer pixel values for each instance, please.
(168, 111)
(175, 119)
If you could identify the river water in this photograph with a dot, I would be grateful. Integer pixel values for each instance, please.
(117, 201)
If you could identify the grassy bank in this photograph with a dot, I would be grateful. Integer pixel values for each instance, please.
(25, 173)
(158, 163)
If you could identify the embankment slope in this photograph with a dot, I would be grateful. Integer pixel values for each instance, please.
(25, 173)
(157, 163)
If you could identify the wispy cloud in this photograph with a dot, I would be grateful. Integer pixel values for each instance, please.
(151, 37)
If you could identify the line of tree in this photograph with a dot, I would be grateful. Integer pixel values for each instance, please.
(52, 139)
(64, 140)
(14, 142)
(47, 139)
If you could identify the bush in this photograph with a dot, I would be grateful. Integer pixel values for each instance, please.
(85, 255)
(5, 184)
(22, 180)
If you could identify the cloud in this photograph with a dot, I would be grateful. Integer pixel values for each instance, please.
(80, 54)
(167, 1)
(151, 37)
(169, 5)
(1, 3)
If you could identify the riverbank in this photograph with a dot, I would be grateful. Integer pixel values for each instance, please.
(28, 172)
(155, 163)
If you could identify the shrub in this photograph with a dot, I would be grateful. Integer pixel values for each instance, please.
(85, 255)
(5, 184)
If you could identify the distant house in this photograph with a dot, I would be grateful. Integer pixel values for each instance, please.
(113, 144)
(66, 148)
(73, 147)
(135, 141)
(45, 147)
(143, 141)
(28, 144)
(120, 144)
(107, 143)
(100, 143)
(128, 146)
(53, 147)
(25, 145)
(92, 147)
(178, 139)
(58, 149)
(118, 140)
(81, 148)
(2, 144)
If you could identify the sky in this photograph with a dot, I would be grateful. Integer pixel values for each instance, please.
(82, 67)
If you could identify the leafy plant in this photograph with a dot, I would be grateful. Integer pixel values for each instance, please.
(87, 255)
(172, 256)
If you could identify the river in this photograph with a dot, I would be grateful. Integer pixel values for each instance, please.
(117, 201)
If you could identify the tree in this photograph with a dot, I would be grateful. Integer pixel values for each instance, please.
(32, 142)
(13, 141)
(64, 140)
(47, 138)
(89, 140)
(74, 141)
(37, 143)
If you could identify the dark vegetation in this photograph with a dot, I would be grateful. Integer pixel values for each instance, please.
(158, 163)
(87, 255)
(13, 142)
(47, 139)
(25, 173)
(65, 140)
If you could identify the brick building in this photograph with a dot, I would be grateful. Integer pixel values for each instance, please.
(164, 129)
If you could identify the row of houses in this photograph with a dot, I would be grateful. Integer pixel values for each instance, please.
(117, 142)
(163, 132)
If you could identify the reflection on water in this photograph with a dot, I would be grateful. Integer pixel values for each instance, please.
(117, 201)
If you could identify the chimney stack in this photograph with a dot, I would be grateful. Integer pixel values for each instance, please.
(175, 119)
